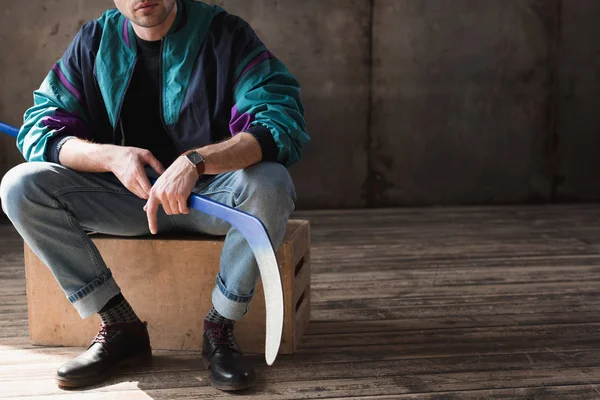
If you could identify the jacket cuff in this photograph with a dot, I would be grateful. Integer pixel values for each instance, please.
(265, 139)
(54, 145)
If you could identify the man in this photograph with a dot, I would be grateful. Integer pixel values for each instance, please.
(174, 89)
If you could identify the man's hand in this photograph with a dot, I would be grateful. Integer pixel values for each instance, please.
(127, 163)
(171, 190)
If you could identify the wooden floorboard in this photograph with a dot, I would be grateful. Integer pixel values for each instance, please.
(414, 303)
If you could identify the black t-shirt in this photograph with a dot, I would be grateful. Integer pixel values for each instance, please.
(141, 115)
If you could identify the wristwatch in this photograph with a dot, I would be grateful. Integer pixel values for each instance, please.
(197, 161)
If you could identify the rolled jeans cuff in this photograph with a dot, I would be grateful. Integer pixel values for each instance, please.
(229, 305)
(92, 302)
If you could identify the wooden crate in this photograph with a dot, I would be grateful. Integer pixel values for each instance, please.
(169, 282)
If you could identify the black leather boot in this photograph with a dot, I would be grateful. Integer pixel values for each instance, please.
(230, 370)
(115, 346)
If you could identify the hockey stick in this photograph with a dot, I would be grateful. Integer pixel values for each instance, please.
(255, 233)
(12, 131)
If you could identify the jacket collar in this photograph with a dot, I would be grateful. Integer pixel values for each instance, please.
(128, 35)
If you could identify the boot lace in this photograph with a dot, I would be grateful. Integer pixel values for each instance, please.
(106, 335)
(223, 336)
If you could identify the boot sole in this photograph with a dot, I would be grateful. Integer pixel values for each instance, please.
(76, 383)
(224, 386)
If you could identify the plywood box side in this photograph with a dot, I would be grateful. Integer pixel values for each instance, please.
(141, 267)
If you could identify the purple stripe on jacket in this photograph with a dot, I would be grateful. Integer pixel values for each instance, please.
(126, 32)
(255, 61)
(239, 122)
(63, 79)
(65, 123)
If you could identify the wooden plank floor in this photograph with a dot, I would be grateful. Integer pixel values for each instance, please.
(438, 303)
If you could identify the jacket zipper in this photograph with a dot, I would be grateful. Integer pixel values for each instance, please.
(118, 120)
(162, 111)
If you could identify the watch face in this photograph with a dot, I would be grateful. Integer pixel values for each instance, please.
(195, 158)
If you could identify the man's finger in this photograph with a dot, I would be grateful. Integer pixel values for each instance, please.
(167, 207)
(154, 163)
(183, 207)
(145, 184)
(173, 203)
(151, 209)
(138, 191)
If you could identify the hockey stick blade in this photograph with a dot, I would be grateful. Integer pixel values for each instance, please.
(255, 233)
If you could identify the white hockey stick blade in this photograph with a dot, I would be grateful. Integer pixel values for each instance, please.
(255, 233)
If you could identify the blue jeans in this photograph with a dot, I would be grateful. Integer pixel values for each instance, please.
(53, 207)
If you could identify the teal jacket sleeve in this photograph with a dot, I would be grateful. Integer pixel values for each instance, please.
(58, 112)
(267, 100)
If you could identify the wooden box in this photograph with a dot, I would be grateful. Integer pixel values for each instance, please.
(169, 282)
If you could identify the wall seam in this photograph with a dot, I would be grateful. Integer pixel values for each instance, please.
(369, 186)
(554, 100)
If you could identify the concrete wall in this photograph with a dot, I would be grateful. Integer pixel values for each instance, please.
(407, 101)
(459, 105)
(577, 136)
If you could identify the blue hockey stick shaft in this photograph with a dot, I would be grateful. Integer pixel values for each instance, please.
(11, 130)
